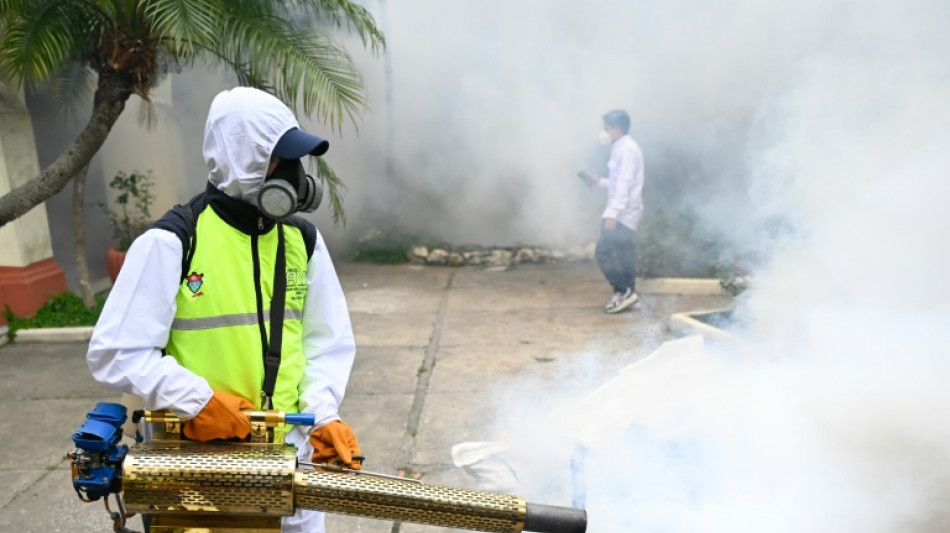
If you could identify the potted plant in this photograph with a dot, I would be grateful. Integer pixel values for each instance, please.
(130, 216)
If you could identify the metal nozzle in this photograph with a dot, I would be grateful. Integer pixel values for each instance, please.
(551, 519)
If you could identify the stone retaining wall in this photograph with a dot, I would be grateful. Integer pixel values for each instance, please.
(496, 256)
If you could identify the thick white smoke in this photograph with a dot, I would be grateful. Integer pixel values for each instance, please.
(830, 411)
(497, 105)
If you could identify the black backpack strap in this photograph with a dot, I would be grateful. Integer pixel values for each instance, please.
(278, 301)
(308, 231)
(182, 220)
(272, 359)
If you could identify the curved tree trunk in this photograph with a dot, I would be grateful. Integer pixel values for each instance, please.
(79, 238)
(111, 94)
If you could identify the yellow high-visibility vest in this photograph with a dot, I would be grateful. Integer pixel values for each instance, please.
(224, 306)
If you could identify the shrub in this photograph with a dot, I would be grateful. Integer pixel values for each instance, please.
(63, 310)
(381, 247)
(132, 216)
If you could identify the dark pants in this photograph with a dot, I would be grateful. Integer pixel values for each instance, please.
(616, 256)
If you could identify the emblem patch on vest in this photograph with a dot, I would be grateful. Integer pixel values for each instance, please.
(194, 284)
(296, 284)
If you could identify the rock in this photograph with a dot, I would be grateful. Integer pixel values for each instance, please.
(476, 257)
(420, 251)
(500, 258)
(589, 250)
(525, 255)
(437, 257)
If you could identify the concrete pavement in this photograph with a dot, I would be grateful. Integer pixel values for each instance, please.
(434, 346)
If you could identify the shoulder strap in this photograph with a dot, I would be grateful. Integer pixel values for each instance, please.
(278, 301)
(272, 358)
(182, 220)
(308, 231)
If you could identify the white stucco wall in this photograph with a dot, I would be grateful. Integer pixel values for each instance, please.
(27, 239)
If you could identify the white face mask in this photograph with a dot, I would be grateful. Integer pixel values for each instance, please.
(604, 138)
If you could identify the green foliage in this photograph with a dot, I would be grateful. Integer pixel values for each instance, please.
(670, 244)
(382, 256)
(284, 48)
(271, 45)
(63, 310)
(134, 199)
(732, 275)
(384, 248)
(333, 186)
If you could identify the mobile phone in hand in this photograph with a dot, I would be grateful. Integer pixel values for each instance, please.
(586, 178)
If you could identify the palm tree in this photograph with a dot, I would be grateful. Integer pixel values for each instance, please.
(130, 44)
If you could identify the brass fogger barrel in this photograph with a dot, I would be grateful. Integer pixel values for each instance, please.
(262, 480)
(430, 504)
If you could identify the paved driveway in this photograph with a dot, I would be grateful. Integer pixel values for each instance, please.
(439, 349)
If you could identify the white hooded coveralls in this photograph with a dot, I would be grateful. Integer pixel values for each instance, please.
(243, 126)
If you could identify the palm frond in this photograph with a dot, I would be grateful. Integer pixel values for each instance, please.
(333, 188)
(43, 38)
(351, 15)
(323, 77)
(10, 9)
(186, 23)
(71, 88)
(297, 64)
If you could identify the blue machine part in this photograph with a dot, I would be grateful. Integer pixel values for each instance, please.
(98, 456)
(300, 419)
(97, 459)
(112, 413)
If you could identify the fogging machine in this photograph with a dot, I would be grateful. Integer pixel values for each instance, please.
(248, 486)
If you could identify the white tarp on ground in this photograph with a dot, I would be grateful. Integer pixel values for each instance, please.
(659, 387)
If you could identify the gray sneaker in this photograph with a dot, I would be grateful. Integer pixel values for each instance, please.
(627, 299)
(613, 303)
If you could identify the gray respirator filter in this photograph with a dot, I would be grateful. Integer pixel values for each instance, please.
(289, 190)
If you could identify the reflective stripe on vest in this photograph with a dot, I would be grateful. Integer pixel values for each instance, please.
(230, 320)
(216, 332)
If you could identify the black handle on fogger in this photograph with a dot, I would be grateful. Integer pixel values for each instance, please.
(551, 519)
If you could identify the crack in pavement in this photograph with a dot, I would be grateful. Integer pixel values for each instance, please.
(422, 383)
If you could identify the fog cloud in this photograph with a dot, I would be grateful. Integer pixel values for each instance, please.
(828, 412)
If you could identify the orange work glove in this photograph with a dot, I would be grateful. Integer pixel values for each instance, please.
(221, 418)
(335, 443)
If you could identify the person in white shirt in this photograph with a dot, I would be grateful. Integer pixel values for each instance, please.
(616, 252)
(230, 302)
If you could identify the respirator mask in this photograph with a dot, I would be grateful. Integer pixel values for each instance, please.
(604, 138)
(289, 190)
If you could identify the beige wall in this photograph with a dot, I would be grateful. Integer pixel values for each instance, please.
(27, 239)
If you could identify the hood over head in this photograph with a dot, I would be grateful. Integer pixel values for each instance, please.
(244, 125)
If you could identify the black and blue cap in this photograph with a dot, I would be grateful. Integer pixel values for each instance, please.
(297, 143)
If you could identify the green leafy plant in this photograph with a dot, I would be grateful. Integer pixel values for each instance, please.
(732, 275)
(128, 46)
(131, 216)
(383, 247)
(673, 243)
(62, 310)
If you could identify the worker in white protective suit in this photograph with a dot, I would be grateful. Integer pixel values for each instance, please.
(188, 325)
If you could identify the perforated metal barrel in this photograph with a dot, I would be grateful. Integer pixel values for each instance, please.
(194, 482)
(175, 477)
(409, 502)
